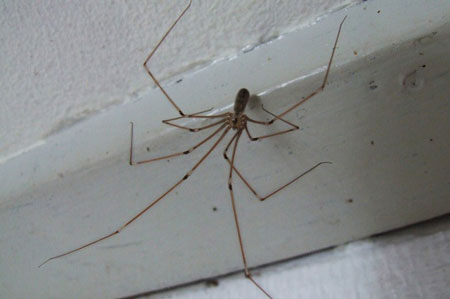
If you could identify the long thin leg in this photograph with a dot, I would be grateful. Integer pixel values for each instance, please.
(294, 127)
(154, 50)
(195, 129)
(184, 116)
(230, 187)
(267, 136)
(268, 123)
(149, 206)
(320, 89)
(195, 115)
(262, 198)
(171, 155)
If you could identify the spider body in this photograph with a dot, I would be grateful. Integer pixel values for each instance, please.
(238, 120)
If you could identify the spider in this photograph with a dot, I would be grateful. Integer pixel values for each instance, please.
(236, 122)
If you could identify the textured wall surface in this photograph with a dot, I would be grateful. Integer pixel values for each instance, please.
(382, 120)
(63, 61)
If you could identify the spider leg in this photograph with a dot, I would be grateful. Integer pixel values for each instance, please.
(186, 176)
(190, 150)
(268, 135)
(318, 90)
(248, 274)
(195, 129)
(262, 198)
(322, 87)
(252, 189)
(294, 127)
(154, 50)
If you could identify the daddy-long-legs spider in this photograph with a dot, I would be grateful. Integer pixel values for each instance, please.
(224, 123)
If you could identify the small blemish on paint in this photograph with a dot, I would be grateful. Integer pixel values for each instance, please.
(372, 85)
(212, 283)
